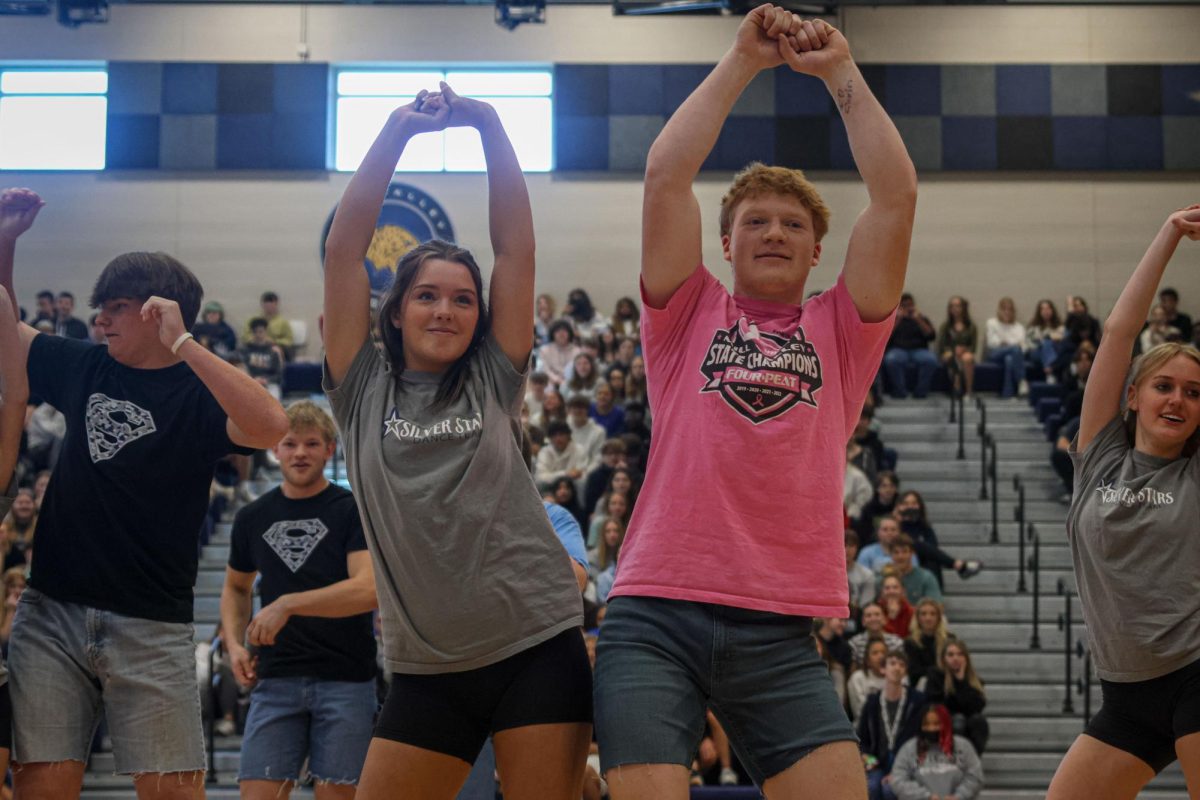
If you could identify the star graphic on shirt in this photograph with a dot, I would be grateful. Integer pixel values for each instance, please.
(1103, 487)
(391, 425)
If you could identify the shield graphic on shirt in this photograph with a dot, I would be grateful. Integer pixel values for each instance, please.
(761, 375)
(294, 540)
(112, 424)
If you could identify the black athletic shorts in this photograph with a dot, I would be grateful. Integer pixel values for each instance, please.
(1145, 718)
(6, 720)
(454, 712)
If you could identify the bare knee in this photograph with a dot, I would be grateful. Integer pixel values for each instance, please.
(48, 780)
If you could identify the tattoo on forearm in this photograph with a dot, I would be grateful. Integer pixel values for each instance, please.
(844, 96)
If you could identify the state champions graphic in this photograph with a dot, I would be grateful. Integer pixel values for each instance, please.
(409, 217)
(761, 375)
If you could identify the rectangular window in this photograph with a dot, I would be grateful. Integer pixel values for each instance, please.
(522, 98)
(53, 119)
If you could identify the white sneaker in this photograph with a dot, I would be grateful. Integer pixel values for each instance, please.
(1023, 388)
(1050, 379)
(728, 777)
(224, 727)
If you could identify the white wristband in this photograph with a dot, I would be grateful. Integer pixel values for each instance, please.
(183, 337)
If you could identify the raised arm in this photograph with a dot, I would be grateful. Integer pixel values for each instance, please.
(1106, 382)
(510, 223)
(14, 390)
(877, 256)
(347, 289)
(255, 418)
(671, 246)
(354, 595)
(18, 210)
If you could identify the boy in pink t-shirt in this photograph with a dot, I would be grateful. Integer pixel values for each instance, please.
(737, 539)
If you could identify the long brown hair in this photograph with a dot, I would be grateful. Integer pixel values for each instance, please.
(968, 675)
(451, 386)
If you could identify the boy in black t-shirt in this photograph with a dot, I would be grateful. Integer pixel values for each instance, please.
(314, 670)
(106, 620)
(263, 358)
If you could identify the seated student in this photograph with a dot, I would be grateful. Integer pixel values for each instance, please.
(614, 505)
(212, 331)
(557, 354)
(1005, 341)
(918, 582)
(563, 492)
(263, 358)
(535, 397)
(957, 686)
(313, 665)
(837, 671)
(615, 377)
(868, 677)
(889, 718)
(910, 511)
(582, 377)
(1060, 458)
(543, 318)
(279, 330)
(1043, 340)
(878, 555)
(909, 344)
(1158, 330)
(608, 546)
(927, 637)
(957, 340)
(612, 456)
(936, 764)
(897, 611)
(562, 459)
(585, 432)
(856, 489)
(862, 580)
(605, 412)
(872, 623)
(887, 485)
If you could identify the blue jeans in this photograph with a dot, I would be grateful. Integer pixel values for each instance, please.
(68, 662)
(330, 722)
(1013, 361)
(876, 788)
(660, 663)
(1046, 353)
(896, 361)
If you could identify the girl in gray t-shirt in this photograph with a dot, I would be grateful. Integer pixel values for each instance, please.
(1134, 530)
(479, 606)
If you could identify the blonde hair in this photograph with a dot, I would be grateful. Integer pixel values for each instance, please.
(758, 179)
(1144, 366)
(306, 415)
(940, 634)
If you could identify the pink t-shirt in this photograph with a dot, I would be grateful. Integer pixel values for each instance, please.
(753, 404)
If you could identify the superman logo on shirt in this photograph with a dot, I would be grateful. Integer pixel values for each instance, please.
(761, 375)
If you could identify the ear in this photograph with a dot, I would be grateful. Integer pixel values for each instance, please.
(725, 239)
(398, 315)
(816, 254)
(1131, 397)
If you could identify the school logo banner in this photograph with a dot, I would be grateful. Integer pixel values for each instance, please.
(409, 217)
(761, 375)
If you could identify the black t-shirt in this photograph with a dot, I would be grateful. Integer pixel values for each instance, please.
(263, 361)
(297, 546)
(120, 523)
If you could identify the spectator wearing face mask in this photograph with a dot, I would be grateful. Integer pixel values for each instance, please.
(936, 764)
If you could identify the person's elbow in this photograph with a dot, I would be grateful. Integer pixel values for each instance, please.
(268, 431)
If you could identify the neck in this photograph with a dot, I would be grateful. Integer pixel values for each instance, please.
(293, 492)
(891, 691)
(1147, 445)
(792, 295)
(903, 569)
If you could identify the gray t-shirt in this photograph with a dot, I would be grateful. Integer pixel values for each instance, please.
(468, 568)
(1134, 529)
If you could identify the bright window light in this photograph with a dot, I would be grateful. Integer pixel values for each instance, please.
(55, 132)
(47, 82)
(521, 98)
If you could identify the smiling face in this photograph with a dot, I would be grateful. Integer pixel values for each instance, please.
(302, 455)
(438, 315)
(1167, 404)
(892, 588)
(928, 618)
(772, 247)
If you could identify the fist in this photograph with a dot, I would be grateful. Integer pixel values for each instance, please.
(1187, 221)
(423, 115)
(18, 209)
(818, 50)
(166, 315)
(761, 32)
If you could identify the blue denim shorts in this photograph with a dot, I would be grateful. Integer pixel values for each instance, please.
(660, 663)
(330, 722)
(68, 661)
